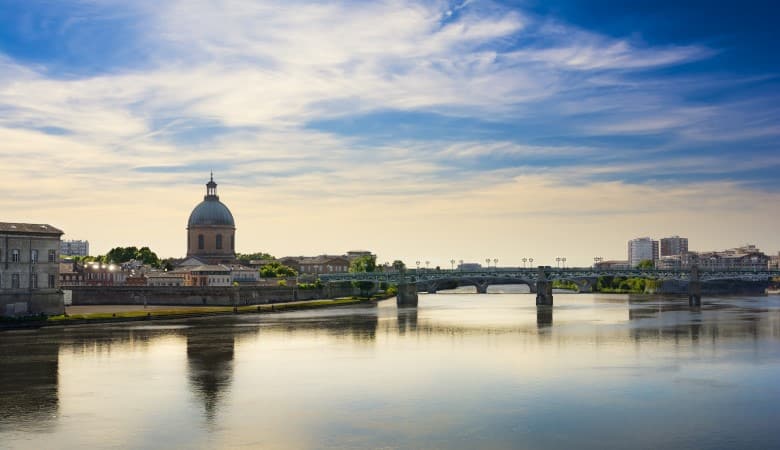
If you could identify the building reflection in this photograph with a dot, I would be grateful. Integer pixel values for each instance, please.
(29, 379)
(673, 319)
(210, 353)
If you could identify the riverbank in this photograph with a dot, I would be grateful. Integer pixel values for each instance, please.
(81, 315)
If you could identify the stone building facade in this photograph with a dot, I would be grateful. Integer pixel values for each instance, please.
(29, 269)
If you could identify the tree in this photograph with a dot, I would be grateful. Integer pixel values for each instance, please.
(277, 270)
(363, 264)
(646, 264)
(245, 258)
(119, 255)
(399, 265)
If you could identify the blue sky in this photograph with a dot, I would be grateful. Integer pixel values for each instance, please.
(532, 108)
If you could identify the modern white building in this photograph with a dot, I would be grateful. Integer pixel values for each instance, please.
(641, 249)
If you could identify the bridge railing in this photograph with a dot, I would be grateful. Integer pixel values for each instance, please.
(418, 275)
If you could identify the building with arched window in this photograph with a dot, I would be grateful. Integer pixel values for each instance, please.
(211, 230)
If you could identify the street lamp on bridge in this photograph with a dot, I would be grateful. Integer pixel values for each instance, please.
(531, 261)
(564, 262)
(558, 262)
(418, 266)
(487, 260)
(495, 262)
(452, 262)
(524, 261)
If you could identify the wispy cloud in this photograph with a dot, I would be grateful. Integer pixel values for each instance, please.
(235, 86)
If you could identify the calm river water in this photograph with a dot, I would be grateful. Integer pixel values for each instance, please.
(463, 371)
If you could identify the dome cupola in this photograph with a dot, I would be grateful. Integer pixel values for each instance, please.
(211, 211)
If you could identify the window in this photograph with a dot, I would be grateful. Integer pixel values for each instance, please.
(52, 255)
(219, 242)
(200, 242)
(15, 281)
(33, 256)
(34, 280)
(15, 255)
(232, 242)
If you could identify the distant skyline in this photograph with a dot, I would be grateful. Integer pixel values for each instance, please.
(421, 130)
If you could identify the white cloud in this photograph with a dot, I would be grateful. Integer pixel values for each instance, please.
(262, 71)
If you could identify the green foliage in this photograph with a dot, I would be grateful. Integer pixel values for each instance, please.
(282, 283)
(316, 285)
(627, 285)
(564, 284)
(277, 270)
(646, 264)
(120, 255)
(399, 265)
(245, 258)
(363, 264)
(392, 291)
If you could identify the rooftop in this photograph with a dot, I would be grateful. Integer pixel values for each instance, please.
(7, 227)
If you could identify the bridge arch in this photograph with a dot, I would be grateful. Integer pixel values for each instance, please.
(481, 283)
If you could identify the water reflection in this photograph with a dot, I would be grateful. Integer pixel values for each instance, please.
(210, 365)
(544, 317)
(407, 320)
(29, 377)
(367, 377)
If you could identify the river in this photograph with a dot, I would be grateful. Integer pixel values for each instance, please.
(462, 371)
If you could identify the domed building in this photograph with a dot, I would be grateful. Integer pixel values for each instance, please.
(211, 230)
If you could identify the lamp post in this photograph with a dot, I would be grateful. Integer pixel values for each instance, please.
(426, 264)
(418, 266)
(564, 262)
(558, 262)
(531, 261)
(452, 262)
(524, 261)
(487, 260)
(495, 263)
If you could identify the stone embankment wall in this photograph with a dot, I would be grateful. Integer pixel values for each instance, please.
(28, 304)
(199, 296)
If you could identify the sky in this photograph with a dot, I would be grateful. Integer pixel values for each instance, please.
(421, 130)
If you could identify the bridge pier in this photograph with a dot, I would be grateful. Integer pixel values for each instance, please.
(407, 295)
(482, 288)
(544, 295)
(694, 288)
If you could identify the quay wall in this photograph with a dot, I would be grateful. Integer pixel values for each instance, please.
(199, 296)
(31, 304)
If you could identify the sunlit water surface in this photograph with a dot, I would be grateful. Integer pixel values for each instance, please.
(462, 371)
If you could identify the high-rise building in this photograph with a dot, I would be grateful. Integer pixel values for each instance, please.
(641, 249)
(74, 248)
(674, 246)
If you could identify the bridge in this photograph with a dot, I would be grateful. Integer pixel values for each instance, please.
(539, 279)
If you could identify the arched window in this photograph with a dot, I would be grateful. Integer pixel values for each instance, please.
(219, 242)
(200, 242)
